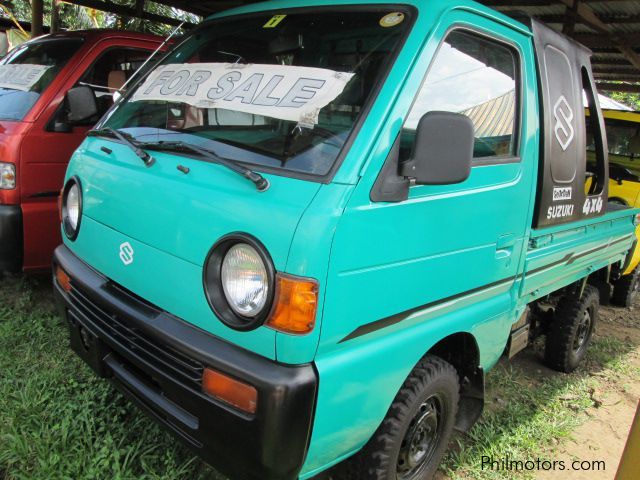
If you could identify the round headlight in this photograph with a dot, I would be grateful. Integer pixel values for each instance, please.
(244, 280)
(239, 281)
(72, 208)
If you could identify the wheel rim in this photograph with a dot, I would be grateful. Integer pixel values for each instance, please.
(422, 438)
(582, 332)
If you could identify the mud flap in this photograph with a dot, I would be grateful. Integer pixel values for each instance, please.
(471, 400)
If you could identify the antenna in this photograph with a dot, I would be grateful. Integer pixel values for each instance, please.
(118, 93)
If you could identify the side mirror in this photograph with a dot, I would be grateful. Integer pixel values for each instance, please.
(82, 104)
(443, 150)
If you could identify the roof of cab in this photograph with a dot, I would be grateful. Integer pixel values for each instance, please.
(418, 4)
(94, 35)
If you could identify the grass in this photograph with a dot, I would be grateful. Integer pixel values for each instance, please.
(530, 413)
(60, 422)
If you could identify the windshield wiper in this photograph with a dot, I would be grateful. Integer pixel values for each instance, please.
(126, 139)
(261, 183)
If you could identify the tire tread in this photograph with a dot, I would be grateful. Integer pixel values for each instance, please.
(373, 462)
(559, 341)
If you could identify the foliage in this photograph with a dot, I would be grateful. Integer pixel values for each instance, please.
(74, 17)
(632, 100)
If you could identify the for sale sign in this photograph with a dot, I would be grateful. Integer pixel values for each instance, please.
(279, 91)
(21, 76)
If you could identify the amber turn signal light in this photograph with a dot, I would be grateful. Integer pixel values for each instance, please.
(64, 280)
(296, 302)
(238, 394)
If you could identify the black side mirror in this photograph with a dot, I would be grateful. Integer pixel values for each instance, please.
(82, 104)
(443, 150)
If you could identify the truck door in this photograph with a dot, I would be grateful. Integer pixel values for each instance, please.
(52, 140)
(451, 251)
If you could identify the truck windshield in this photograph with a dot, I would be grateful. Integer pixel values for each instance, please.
(283, 92)
(28, 70)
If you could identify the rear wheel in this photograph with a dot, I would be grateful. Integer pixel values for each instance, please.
(626, 289)
(414, 435)
(571, 330)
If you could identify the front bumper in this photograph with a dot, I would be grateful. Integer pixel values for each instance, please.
(10, 238)
(157, 360)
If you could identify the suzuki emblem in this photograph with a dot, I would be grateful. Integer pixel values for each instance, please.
(564, 123)
(126, 253)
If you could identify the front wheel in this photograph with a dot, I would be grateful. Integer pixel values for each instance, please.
(571, 330)
(626, 289)
(414, 435)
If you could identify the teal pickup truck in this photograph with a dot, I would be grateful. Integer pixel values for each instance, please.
(304, 237)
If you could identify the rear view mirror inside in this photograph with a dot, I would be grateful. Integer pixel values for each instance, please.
(285, 43)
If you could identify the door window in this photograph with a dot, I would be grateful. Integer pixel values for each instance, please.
(476, 77)
(109, 73)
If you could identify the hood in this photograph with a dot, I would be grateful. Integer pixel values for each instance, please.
(185, 214)
(172, 219)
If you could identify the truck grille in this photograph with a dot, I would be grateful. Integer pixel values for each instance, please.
(179, 366)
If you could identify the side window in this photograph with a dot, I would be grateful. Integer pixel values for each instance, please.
(109, 73)
(595, 157)
(477, 77)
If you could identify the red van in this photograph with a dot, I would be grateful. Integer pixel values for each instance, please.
(44, 87)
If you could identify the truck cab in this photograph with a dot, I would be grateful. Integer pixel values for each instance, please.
(623, 136)
(302, 240)
(38, 131)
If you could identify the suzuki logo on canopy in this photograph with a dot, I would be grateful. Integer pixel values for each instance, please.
(126, 253)
(564, 123)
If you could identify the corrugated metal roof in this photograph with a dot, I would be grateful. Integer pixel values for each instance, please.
(495, 117)
(616, 47)
(614, 38)
(610, 28)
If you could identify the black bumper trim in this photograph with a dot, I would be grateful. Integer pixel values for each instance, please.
(11, 246)
(150, 355)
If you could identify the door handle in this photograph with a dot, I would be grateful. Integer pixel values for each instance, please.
(505, 245)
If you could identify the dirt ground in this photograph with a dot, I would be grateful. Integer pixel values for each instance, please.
(603, 436)
(602, 427)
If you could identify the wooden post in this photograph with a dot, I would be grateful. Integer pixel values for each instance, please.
(55, 16)
(140, 12)
(37, 12)
(569, 26)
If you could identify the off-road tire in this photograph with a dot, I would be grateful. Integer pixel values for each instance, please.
(378, 460)
(568, 337)
(627, 289)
